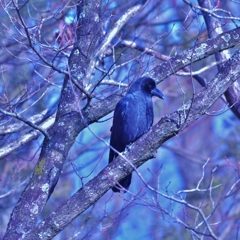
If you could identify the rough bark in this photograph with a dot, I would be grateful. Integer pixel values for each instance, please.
(62, 133)
(142, 150)
(214, 29)
(69, 122)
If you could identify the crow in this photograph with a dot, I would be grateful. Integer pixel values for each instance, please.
(133, 116)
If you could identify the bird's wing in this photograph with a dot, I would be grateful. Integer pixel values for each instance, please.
(138, 116)
(133, 116)
(124, 125)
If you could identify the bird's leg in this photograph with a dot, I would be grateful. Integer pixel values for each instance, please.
(128, 147)
(167, 119)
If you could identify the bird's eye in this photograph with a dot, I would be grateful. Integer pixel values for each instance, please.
(150, 86)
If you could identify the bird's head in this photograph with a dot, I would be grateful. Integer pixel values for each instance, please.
(148, 85)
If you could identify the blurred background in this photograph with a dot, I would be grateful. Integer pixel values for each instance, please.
(202, 159)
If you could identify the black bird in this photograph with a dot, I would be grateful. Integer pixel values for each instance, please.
(133, 116)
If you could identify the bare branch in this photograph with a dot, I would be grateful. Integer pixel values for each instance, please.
(5, 150)
(213, 12)
(130, 13)
(11, 128)
(15, 115)
(30, 40)
(143, 149)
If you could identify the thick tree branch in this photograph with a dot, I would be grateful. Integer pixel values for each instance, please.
(199, 51)
(214, 29)
(100, 52)
(62, 135)
(140, 152)
(69, 123)
(173, 65)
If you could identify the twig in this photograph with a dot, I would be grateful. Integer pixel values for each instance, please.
(109, 37)
(15, 115)
(32, 45)
(15, 127)
(213, 11)
(26, 138)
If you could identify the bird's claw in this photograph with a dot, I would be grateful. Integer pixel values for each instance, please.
(167, 119)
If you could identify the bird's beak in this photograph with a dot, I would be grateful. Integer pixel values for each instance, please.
(157, 93)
